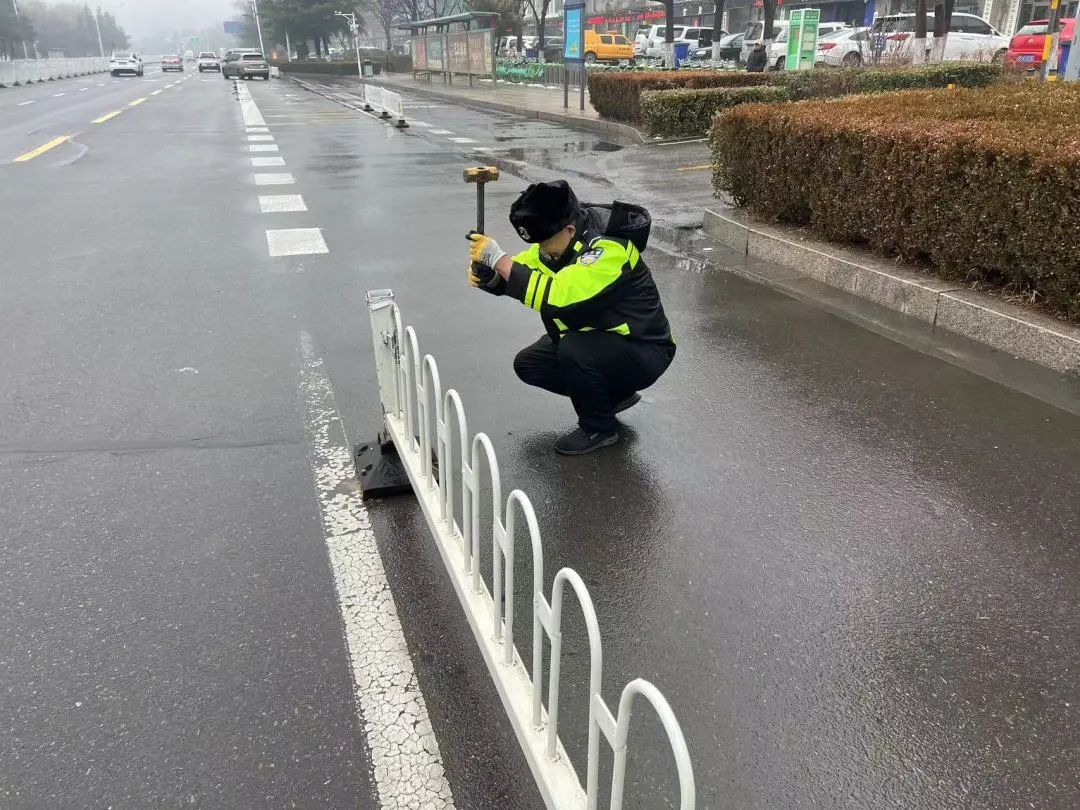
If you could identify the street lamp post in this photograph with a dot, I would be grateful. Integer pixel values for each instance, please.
(26, 53)
(97, 22)
(258, 25)
(354, 29)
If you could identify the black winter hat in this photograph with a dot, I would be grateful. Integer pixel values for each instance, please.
(544, 209)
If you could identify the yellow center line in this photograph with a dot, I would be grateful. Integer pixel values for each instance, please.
(137, 102)
(700, 168)
(106, 117)
(41, 150)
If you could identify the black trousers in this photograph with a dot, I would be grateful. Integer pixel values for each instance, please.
(595, 369)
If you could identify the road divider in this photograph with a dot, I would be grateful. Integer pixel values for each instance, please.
(25, 71)
(41, 150)
(427, 429)
(386, 103)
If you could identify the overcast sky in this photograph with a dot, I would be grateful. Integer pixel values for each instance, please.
(149, 17)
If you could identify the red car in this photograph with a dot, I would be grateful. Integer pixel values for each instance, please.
(1026, 47)
(172, 62)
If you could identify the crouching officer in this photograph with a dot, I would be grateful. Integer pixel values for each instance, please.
(607, 335)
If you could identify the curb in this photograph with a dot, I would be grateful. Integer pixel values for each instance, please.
(944, 305)
(610, 128)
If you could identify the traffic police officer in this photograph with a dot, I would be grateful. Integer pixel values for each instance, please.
(607, 335)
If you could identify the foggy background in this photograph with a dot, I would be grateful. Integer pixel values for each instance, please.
(149, 21)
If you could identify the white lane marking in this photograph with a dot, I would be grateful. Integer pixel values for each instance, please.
(483, 149)
(280, 179)
(441, 132)
(267, 161)
(83, 89)
(296, 242)
(260, 137)
(248, 108)
(258, 129)
(155, 92)
(57, 95)
(423, 124)
(24, 103)
(404, 752)
(282, 203)
(463, 140)
(262, 147)
(102, 84)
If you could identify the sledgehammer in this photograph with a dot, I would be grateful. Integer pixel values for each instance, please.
(480, 175)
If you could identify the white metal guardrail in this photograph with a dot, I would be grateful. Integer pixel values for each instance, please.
(24, 71)
(416, 411)
(385, 102)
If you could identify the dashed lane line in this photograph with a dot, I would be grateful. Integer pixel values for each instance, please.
(58, 95)
(282, 203)
(463, 140)
(24, 103)
(263, 162)
(262, 147)
(408, 769)
(296, 242)
(41, 150)
(274, 179)
(441, 132)
(137, 102)
(155, 92)
(106, 117)
(253, 138)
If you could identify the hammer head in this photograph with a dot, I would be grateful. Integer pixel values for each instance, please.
(481, 174)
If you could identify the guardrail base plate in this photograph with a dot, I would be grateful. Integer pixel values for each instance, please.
(379, 470)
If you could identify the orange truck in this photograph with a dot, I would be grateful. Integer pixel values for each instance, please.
(607, 47)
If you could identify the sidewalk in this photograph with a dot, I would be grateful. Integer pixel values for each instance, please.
(535, 102)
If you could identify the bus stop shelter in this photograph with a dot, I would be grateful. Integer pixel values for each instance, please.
(458, 45)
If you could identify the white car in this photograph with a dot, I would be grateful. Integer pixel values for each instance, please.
(970, 38)
(696, 37)
(848, 47)
(208, 60)
(127, 62)
(755, 33)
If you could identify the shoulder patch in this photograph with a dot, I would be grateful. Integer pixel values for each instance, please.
(590, 256)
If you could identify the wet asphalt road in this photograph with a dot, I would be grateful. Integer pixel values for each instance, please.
(852, 568)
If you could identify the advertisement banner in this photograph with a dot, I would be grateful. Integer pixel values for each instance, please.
(457, 47)
(419, 54)
(435, 53)
(480, 52)
(574, 48)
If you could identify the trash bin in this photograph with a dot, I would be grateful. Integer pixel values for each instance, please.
(682, 52)
(368, 69)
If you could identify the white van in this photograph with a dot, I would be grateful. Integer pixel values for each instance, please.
(755, 33)
(696, 36)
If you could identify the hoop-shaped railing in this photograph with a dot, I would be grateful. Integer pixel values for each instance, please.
(415, 411)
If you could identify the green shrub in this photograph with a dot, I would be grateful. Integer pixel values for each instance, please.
(976, 184)
(676, 113)
(617, 95)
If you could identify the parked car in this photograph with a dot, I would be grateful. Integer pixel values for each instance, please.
(245, 66)
(172, 61)
(1026, 46)
(506, 43)
(553, 49)
(848, 47)
(755, 33)
(641, 40)
(126, 62)
(696, 37)
(970, 39)
(730, 46)
(208, 60)
(607, 47)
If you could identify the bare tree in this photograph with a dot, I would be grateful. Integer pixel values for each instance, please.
(942, 20)
(539, 9)
(918, 46)
(769, 32)
(717, 29)
(385, 13)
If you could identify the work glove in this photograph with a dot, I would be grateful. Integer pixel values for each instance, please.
(482, 276)
(484, 250)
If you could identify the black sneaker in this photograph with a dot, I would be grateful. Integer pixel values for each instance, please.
(579, 442)
(629, 402)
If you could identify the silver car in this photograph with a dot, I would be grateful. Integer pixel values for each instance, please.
(245, 66)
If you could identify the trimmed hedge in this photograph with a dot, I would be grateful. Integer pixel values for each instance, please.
(976, 184)
(676, 113)
(617, 96)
